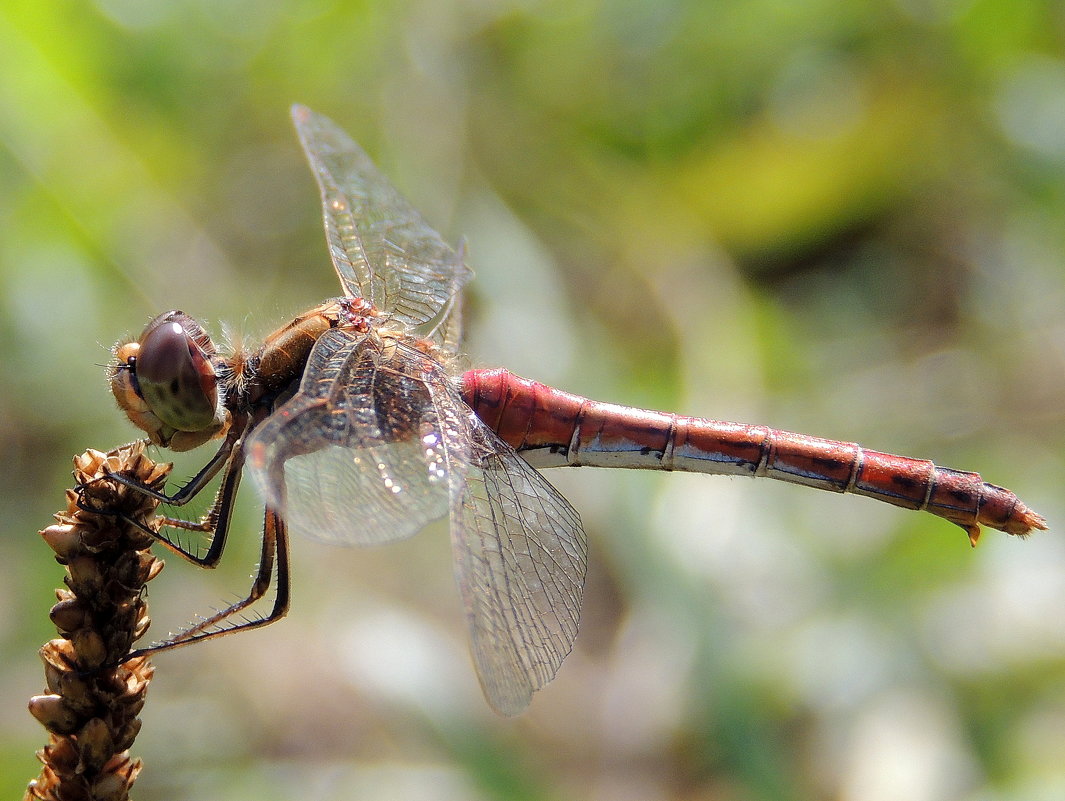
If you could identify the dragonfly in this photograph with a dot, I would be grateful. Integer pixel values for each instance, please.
(355, 425)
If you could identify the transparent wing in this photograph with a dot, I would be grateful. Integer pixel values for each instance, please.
(448, 332)
(375, 444)
(381, 247)
(520, 562)
(362, 453)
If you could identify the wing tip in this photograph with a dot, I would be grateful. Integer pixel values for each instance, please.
(300, 113)
(507, 702)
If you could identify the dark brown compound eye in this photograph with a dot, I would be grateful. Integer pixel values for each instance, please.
(174, 375)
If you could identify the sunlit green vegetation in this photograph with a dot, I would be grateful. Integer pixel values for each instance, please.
(845, 218)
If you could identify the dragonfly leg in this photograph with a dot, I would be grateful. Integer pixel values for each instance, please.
(273, 561)
(192, 487)
(214, 523)
(228, 459)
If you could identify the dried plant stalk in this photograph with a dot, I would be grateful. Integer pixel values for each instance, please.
(92, 701)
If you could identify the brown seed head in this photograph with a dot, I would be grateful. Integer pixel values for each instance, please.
(93, 698)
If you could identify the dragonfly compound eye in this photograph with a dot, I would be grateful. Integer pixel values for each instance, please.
(174, 375)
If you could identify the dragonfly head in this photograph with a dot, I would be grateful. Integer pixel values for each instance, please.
(165, 382)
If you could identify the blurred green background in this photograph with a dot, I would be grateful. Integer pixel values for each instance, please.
(844, 218)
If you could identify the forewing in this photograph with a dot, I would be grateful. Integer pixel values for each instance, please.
(520, 562)
(381, 247)
(362, 453)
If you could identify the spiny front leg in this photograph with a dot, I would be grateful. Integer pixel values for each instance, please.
(273, 552)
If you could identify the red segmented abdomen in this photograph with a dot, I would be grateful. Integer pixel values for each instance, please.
(552, 428)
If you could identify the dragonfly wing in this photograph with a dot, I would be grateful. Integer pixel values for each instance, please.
(375, 444)
(381, 247)
(362, 453)
(520, 562)
(448, 330)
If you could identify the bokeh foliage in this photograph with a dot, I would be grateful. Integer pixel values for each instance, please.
(837, 217)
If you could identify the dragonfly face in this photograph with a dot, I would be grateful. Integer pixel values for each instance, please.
(165, 381)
